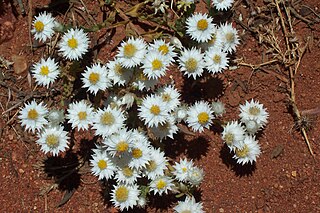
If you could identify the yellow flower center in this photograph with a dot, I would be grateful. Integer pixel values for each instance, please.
(82, 115)
(202, 24)
(118, 69)
(107, 118)
(44, 70)
(122, 194)
(156, 64)
(52, 141)
(122, 146)
(129, 50)
(94, 77)
(163, 49)
(191, 65)
(241, 153)
(203, 118)
(102, 164)
(161, 184)
(39, 26)
(166, 97)
(254, 110)
(184, 169)
(33, 114)
(217, 59)
(229, 138)
(73, 43)
(136, 153)
(230, 37)
(127, 171)
(152, 165)
(155, 109)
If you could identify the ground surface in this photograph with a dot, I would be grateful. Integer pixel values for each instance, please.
(286, 178)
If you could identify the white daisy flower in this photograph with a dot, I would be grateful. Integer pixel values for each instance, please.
(154, 65)
(195, 176)
(127, 175)
(253, 110)
(167, 129)
(124, 196)
(156, 165)
(170, 96)
(218, 108)
(200, 27)
(102, 166)
(161, 185)
(153, 110)
(127, 100)
(95, 78)
(55, 117)
(216, 60)
(118, 74)
(108, 121)
(140, 151)
(230, 37)
(164, 48)
(74, 44)
(248, 152)
(53, 140)
(182, 169)
(141, 81)
(120, 143)
(45, 72)
(200, 116)
(191, 62)
(131, 52)
(233, 134)
(32, 116)
(42, 26)
(222, 4)
(80, 115)
(189, 205)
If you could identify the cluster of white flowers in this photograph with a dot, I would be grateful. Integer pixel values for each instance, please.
(126, 155)
(240, 136)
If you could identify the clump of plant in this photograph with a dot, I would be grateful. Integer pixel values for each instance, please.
(130, 112)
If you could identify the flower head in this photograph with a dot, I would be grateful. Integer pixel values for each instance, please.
(154, 65)
(32, 116)
(161, 185)
(131, 52)
(118, 74)
(102, 165)
(125, 196)
(74, 44)
(248, 151)
(45, 72)
(53, 140)
(189, 205)
(233, 134)
(164, 48)
(182, 169)
(222, 4)
(108, 121)
(42, 26)
(200, 27)
(253, 110)
(200, 116)
(80, 115)
(191, 62)
(153, 111)
(230, 37)
(216, 60)
(95, 78)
